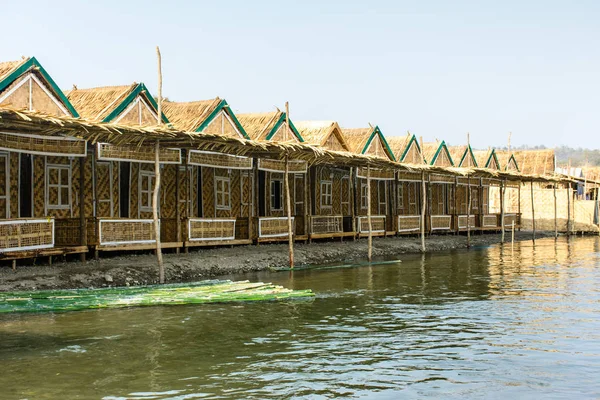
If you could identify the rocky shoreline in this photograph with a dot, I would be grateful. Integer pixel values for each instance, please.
(200, 264)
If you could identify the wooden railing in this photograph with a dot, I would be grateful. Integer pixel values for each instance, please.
(462, 221)
(326, 224)
(273, 227)
(204, 229)
(490, 221)
(26, 234)
(441, 222)
(377, 224)
(409, 223)
(114, 232)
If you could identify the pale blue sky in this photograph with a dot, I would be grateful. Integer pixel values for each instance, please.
(437, 68)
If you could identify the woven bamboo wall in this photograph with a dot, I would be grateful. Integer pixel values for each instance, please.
(544, 210)
(167, 191)
(133, 198)
(183, 192)
(136, 188)
(19, 99)
(413, 156)
(347, 196)
(103, 189)
(299, 182)
(208, 192)
(38, 186)
(246, 193)
(269, 176)
(14, 184)
(42, 102)
(4, 190)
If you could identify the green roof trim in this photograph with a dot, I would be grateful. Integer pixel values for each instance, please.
(512, 157)
(292, 127)
(34, 63)
(223, 106)
(140, 89)
(494, 157)
(377, 131)
(469, 149)
(412, 139)
(437, 153)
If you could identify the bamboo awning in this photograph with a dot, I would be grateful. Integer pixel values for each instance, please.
(28, 122)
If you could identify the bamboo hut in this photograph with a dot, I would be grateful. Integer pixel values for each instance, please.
(44, 188)
(332, 204)
(123, 176)
(371, 141)
(492, 193)
(218, 193)
(406, 149)
(271, 221)
(441, 199)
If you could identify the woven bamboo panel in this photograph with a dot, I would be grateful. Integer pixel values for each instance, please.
(200, 229)
(39, 195)
(4, 186)
(236, 193)
(273, 227)
(333, 143)
(438, 178)
(295, 166)
(413, 156)
(67, 232)
(134, 190)
(298, 191)
(441, 222)
(19, 98)
(208, 191)
(144, 154)
(490, 221)
(167, 191)
(14, 184)
(462, 221)
(168, 230)
(377, 223)
(409, 176)
(246, 193)
(126, 231)
(336, 195)
(42, 145)
(409, 223)
(465, 181)
(42, 102)
(183, 193)
(242, 228)
(218, 160)
(326, 224)
(346, 196)
(103, 189)
(26, 234)
(376, 174)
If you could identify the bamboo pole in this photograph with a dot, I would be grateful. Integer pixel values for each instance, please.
(502, 211)
(177, 212)
(159, 259)
(423, 205)
(286, 179)
(532, 211)
(469, 210)
(370, 240)
(569, 201)
(512, 238)
(287, 193)
(555, 212)
(82, 219)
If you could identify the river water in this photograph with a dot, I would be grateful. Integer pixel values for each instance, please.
(492, 322)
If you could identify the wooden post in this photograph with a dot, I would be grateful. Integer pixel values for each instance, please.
(532, 211)
(456, 210)
(82, 219)
(512, 239)
(469, 210)
(159, 259)
(288, 202)
(423, 207)
(519, 203)
(370, 240)
(568, 208)
(502, 211)
(177, 212)
(555, 212)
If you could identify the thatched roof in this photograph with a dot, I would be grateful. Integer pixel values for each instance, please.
(11, 71)
(95, 104)
(461, 155)
(40, 124)
(504, 157)
(319, 132)
(398, 145)
(262, 126)
(429, 150)
(360, 140)
(6, 67)
(536, 162)
(484, 157)
(189, 116)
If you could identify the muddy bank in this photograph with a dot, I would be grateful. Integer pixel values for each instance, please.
(199, 264)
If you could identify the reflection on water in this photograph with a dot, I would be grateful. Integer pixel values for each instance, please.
(491, 322)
